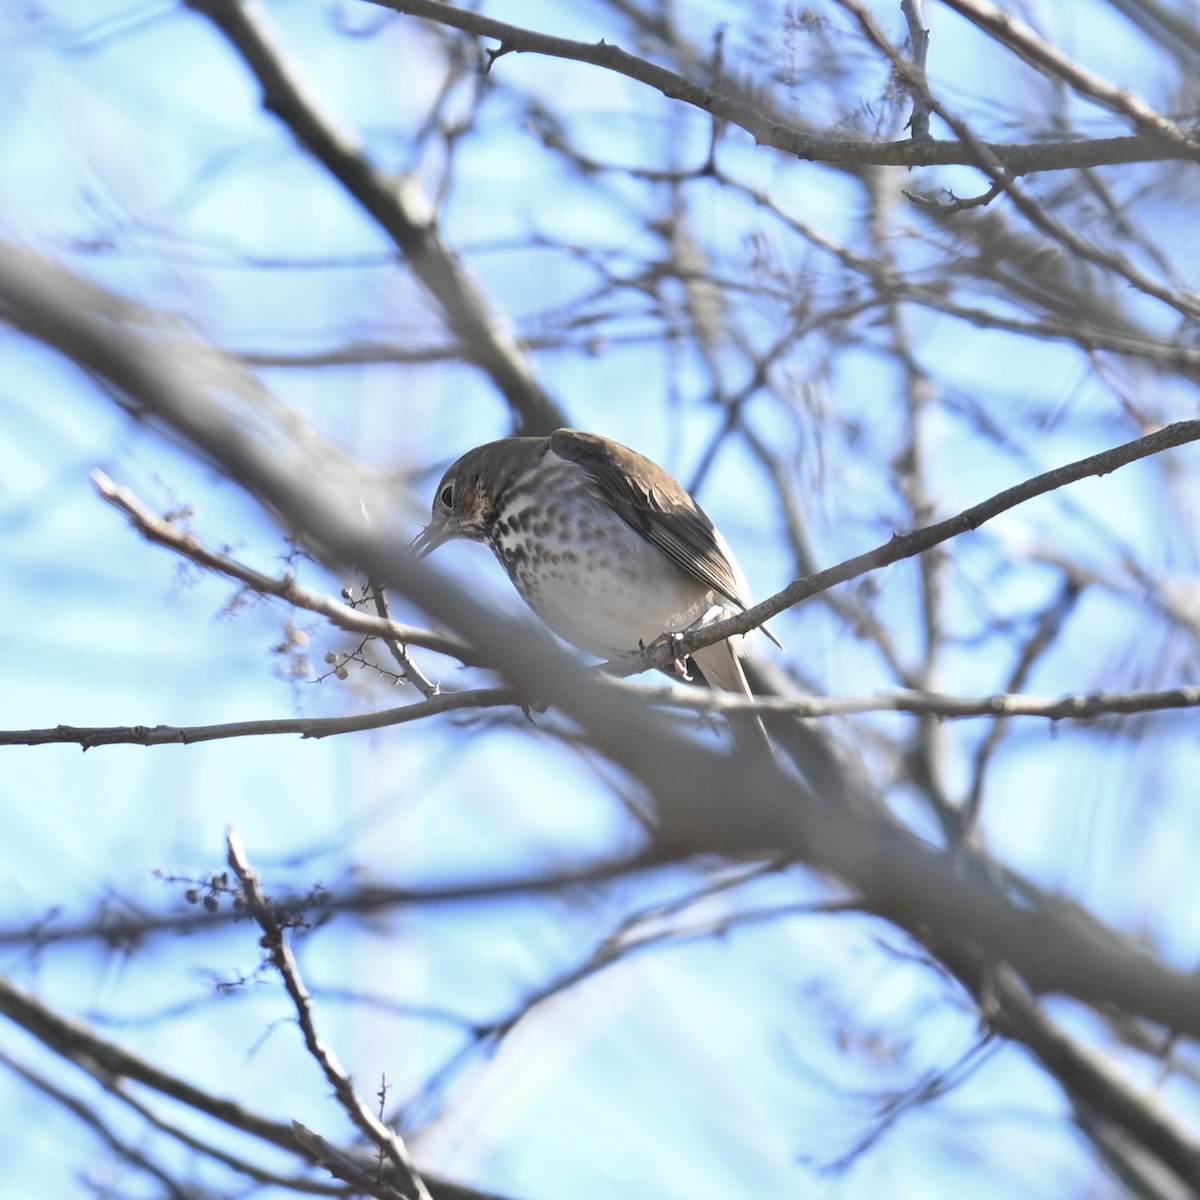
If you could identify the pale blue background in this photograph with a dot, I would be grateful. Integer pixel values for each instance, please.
(737, 1066)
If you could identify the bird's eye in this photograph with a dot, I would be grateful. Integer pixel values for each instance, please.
(446, 499)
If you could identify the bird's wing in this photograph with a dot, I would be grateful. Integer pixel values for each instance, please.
(653, 503)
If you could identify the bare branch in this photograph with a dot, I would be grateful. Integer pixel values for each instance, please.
(918, 41)
(110, 1065)
(326, 1155)
(874, 355)
(278, 947)
(1052, 944)
(167, 533)
(306, 727)
(920, 541)
(397, 205)
(766, 131)
(994, 165)
(1035, 50)
(77, 1043)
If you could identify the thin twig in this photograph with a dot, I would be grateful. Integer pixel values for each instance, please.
(1012, 32)
(90, 737)
(985, 157)
(408, 668)
(909, 152)
(1078, 706)
(918, 40)
(277, 945)
(166, 533)
(907, 545)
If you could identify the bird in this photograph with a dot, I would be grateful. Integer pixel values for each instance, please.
(608, 549)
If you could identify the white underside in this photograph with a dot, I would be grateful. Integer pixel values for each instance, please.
(620, 593)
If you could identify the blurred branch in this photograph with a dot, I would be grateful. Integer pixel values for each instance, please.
(1047, 629)
(841, 350)
(1036, 273)
(115, 1086)
(929, 1088)
(1027, 44)
(87, 1114)
(993, 164)
(1094, 1082)
(326, 1155)
(78, 1044)
(400, 208)
(941, 899)
(1016, 159)
(1171, 29)
(111, 1064)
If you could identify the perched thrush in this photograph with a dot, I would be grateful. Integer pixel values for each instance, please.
(606, 547)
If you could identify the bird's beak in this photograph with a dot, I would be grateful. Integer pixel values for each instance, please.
(429, 539)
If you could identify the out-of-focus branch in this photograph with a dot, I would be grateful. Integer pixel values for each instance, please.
(1033, 271)
(1004, 177)
(1174, 30)
(77, 1043)
(342, 1167)
(110, 1063)
(101, 1128)
(1035, 50)
(124, 929)
(1093, 1081)
(1053, 945)
(398, 206)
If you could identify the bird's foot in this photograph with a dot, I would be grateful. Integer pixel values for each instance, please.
(679, 659)
(529, 708)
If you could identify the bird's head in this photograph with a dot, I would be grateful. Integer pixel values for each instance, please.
(468, 497)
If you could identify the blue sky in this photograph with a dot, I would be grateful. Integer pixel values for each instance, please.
(136, 150)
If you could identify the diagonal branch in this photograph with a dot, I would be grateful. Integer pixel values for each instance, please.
(1004, 177)
(110, 1063)
(164, 532)
(940, 899)
(397, 205)
(1050, 60)
(906, 545)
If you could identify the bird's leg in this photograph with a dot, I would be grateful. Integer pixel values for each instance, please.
(679, 660)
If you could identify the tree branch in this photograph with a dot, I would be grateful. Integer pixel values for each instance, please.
(90, 737)
(165, 532)
(906, 545)
(766, 131)
(1035, 50)
(279, 950)
(398, 206)
(941, 899)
